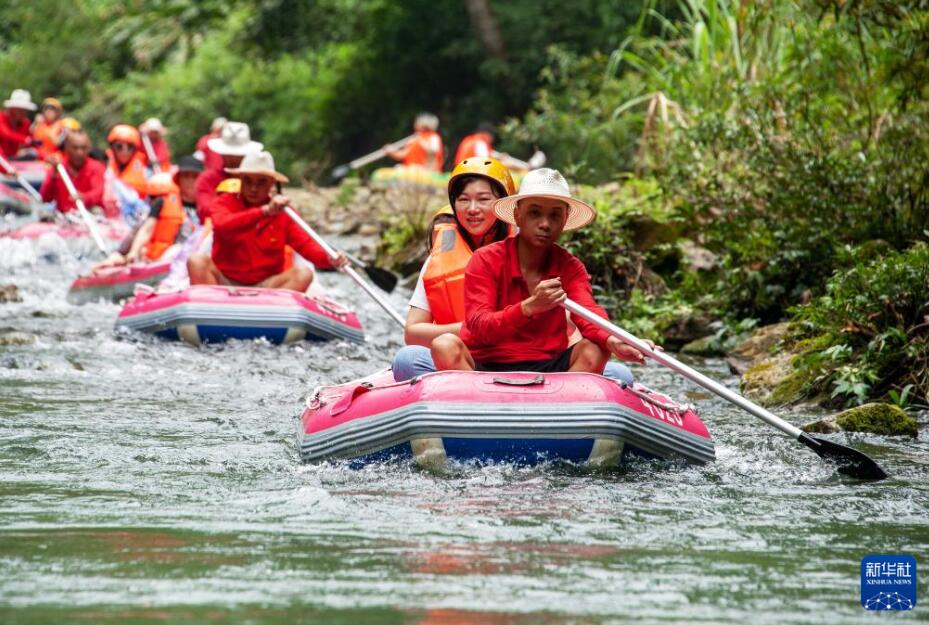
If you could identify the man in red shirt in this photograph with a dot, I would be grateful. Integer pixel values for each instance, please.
(209, 158)
(86, 173)
(250, 231)
(15, 128)
(514, 288)
(232, 145)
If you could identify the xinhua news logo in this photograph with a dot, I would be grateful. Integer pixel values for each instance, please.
(888, 582)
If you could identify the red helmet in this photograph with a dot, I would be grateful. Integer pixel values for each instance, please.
(124, 133)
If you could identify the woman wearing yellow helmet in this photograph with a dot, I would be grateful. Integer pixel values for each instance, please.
(437, 304)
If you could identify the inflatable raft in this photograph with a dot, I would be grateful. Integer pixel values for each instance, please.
(14, 201)
(522, 418)
(116, 283)
(33, 171)
(112, 229)
(211, 314)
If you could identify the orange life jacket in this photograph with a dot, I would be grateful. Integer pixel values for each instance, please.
(478, 144)
(418, 155)
(444, 277)
(169, 223)
(49, 136)
(133, 174)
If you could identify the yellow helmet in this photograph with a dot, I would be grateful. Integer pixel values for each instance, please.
(485, 167)
(70, 123)
(229, 185)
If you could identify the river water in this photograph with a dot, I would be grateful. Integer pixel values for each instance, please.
(143, 481)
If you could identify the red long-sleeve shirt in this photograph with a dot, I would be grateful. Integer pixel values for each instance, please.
(12, 138)
(162, 153)
(88, 181)
(495, 328)
(248, 246)
(205, 189)
(211, 160)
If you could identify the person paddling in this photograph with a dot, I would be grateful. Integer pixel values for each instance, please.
(48, 128)
(513, 288)
(156, 133)
(478, 144)
(232, 145)
(14, 123)
(86, 173)
(425, 149)
(251, 231)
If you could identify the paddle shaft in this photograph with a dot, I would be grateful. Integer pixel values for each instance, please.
(376, 155)
(150, 153)
(684, 370)
(510, 161)
(81, 209)
(28, 188)
(350, 271)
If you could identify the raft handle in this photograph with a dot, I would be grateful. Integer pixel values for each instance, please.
(539, 379)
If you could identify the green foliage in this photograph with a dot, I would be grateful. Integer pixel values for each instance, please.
(876, 318)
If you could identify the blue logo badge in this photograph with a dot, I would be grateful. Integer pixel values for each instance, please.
(888, 582)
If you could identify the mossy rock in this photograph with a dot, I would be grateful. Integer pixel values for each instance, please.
(757, 347)
(706, 346)
(878, 418)
(761, 380)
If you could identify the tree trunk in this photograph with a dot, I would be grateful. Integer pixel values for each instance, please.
(485, 25)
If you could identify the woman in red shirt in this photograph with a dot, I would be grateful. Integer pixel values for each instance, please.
(250, 232)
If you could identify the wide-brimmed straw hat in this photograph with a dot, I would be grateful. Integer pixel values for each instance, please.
(153, 124)
(258, 163)
(547, 183)
(235, 140)
(20, 99)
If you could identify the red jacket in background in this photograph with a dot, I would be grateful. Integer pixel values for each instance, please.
(88, 181)
(205, 190)
(162, 153)
(248, 246)
(13, 138)
(211, 160)
(495, 328)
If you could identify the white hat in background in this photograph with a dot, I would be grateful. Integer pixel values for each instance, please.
(236, 140)
(20, 99)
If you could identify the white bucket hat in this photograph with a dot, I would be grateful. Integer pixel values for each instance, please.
(235, 140)
(20, 99)
(260, 163)
(547, 183)
(153, 124)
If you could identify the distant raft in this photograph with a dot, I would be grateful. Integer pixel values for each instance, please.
(519, 418)
(116, 283)
(33, 172)
(212, 314)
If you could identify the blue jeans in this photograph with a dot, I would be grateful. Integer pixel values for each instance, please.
(414, 360)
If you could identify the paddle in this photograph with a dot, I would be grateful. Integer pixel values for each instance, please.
(342, 170)
(28, 188)
(849, 461)
(535, 161)
(351, 272)
(384, 279)
(82, 210)
(150, 153)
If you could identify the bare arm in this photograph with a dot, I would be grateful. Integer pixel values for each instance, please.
(420, 330)
(141, 238)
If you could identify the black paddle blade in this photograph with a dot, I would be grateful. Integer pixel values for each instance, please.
(385, 280)
(848, 461)
(340, 172)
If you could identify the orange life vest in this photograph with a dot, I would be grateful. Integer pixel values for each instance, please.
(444, 277)
(49, 135)
(418, 155)
(169, 223)
(478, 144)
(133, 174)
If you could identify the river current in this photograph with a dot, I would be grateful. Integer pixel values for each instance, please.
(144, 481)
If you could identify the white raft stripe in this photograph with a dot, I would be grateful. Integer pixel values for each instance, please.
(605, 420)
(240, 316)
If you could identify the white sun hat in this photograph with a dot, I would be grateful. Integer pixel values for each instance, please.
(153, 124)
(20, 99)
(235, 140)
(259, 163)
(547, 183)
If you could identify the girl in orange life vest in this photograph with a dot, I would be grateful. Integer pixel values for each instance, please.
(126, 160)
(436, 306)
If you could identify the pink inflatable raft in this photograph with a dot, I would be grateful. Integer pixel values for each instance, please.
(112, 229)
(210, 314)
(116, 283)
(521, 418)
